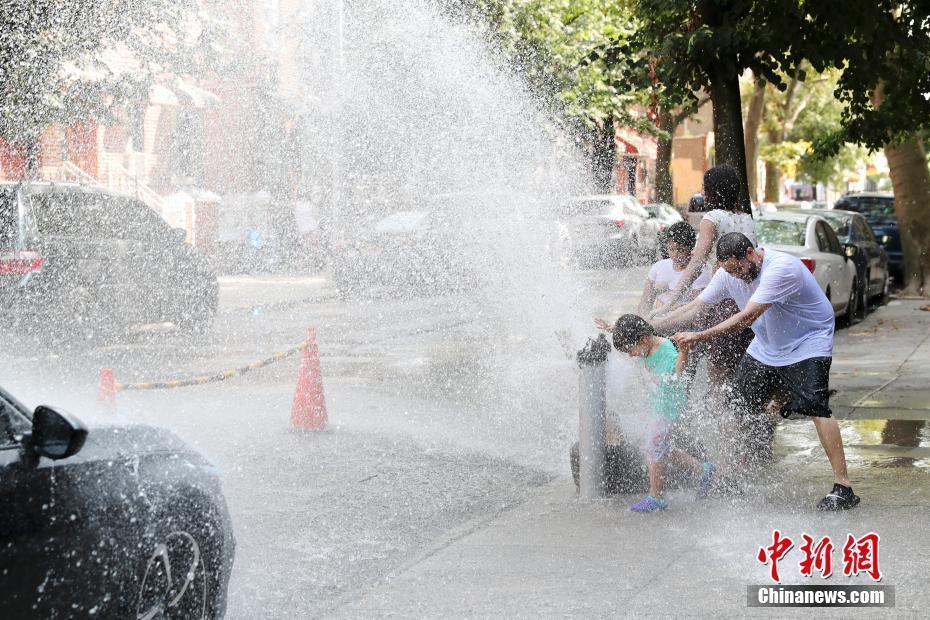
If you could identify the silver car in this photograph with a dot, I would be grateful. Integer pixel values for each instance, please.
(605, 230)
(810, 238)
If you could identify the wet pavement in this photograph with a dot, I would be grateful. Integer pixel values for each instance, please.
(435, 492)
(558, 556)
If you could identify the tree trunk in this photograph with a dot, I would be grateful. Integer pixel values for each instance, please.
(753, 121)
(910, 179)
(772, 174)
(664, 187)
(729, 145)
(604, 156)
(723, 81)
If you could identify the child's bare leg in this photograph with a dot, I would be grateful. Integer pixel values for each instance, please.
(656, 479)
(686, 460)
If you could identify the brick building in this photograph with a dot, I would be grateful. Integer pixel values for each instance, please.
(226, 133)
(692, 155)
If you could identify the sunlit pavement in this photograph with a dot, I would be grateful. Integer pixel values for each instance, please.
(413, 449)
(427, 497)
(558, 556)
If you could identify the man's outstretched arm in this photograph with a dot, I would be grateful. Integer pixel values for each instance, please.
(739, 321)
(684, 315)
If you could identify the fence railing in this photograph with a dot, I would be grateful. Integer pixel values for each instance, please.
(114, 176)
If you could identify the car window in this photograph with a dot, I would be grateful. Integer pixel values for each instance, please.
(63, 214)
(12, 423)
(869, 206)
(779, 232)
(863, 231)
(839, 224)
(833, 244)
(125, 218)
(823, 240)
(9, 212)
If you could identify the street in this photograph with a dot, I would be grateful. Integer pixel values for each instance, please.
(428, 437)
(427, 430)
(303, 287)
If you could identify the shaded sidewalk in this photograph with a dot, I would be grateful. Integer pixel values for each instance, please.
(881, 367)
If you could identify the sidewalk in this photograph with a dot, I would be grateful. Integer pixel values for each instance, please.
(558, 556)
(881, 367)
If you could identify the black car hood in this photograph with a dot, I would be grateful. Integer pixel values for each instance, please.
(120, 442)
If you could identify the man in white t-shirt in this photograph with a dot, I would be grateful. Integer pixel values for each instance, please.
(789, 358)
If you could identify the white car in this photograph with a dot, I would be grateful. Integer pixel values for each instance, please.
(663, 215)
(810, 238)
(605, 229)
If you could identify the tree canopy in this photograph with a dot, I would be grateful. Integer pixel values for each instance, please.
(51, 69)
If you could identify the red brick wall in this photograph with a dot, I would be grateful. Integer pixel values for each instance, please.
(81, 139)
(12, 161)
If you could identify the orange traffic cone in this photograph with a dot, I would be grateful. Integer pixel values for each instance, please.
(106, 392)
(309, 410)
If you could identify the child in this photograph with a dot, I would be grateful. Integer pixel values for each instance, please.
(635, 337)
(665, 274)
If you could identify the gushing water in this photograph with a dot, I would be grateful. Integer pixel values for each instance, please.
(408, 111)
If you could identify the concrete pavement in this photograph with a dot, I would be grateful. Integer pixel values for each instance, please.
(557, 556)
(882, 366)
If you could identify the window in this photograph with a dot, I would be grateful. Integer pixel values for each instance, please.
(9, 212)
(840, 225)
(63, 214)
(833, 244)
(779, 232)
(125, 218)
(12, 424)
(863, 231)
(870, 206)
(823, 239)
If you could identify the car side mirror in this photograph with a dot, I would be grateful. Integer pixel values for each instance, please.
(55, 434)
(850, 250)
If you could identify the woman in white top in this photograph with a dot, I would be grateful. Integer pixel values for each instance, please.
(721, 196)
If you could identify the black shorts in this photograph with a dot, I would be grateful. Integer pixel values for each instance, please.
(802, 388)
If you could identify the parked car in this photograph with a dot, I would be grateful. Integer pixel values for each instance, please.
(696, 210)
(407, 252)
(870, 257)
(78, 260)
(661, 216)
(810, 238)
(607, 230)
(878, 210)
(111, 522)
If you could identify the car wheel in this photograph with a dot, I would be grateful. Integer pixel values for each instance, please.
(885, 295)
(176, 571)
(852, 306)
(864, 297)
